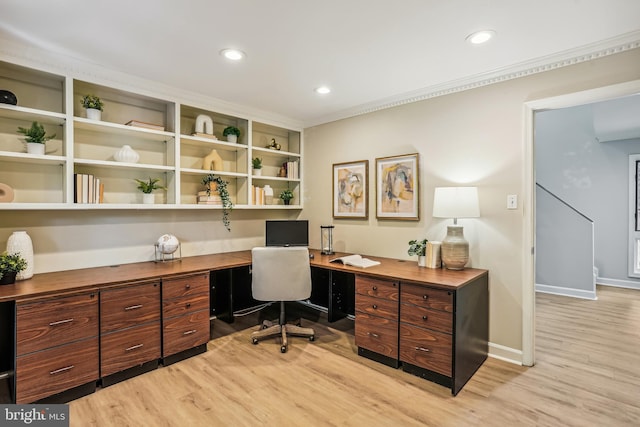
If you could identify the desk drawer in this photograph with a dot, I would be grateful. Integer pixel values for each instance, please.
(426, 349)
(184, 286)
(55, 322)
(441, 321)
(180, 306)
(370, 286)
(377, 334)
(126, 307)
(48, 372)
(377, 306)
(129, 347)
(185, 332)
(423, 296)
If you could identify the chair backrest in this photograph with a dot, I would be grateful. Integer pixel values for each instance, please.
(280, 273)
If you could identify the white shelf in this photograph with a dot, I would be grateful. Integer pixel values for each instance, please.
(122, 130)
(274, 153)
(214, 143)
(123, 165)
(32, 158)
(16, 112)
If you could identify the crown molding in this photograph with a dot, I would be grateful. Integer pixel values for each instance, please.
(566, 58)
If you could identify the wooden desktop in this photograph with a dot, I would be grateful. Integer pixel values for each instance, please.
(58, 326)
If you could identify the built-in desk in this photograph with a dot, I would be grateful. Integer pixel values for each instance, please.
(459, 331)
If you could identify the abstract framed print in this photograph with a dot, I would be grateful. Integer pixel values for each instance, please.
(350, 189)
(397, 187)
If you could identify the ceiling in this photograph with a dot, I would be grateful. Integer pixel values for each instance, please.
(371, 53)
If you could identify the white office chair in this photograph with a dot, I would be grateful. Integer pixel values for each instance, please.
(281, 274)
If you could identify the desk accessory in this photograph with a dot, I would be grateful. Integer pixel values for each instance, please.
(326, 239)
(165, 248)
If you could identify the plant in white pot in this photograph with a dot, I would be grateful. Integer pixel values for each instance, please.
(93, 105)
(418, 247)
(256, 164)
(232, 133)
(35, 137)
(147, 188)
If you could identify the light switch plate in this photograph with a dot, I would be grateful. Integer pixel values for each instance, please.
(512, 201)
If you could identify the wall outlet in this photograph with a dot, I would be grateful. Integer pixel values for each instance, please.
(512, 201)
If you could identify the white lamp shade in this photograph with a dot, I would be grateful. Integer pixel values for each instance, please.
(456, 202)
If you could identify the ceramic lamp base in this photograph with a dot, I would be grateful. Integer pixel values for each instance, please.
(455, 248)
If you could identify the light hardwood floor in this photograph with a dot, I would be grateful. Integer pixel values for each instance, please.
(587, 374)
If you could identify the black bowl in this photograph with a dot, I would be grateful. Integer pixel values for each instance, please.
(7, 97)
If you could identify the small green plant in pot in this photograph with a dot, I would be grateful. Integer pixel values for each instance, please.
(147, 188)
(286, 196)
(256, 164)
(35, 137)
(10, 266)
(232, 133)
(93, 105)
(419, 248)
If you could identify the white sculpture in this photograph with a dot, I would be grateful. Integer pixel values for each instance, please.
(204, 124)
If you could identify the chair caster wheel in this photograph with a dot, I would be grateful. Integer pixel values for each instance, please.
(254, 341)
(312, 338)
(263, 326)
(283, 349)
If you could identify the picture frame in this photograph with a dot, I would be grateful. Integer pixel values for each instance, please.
(397, 192)
(351, 189)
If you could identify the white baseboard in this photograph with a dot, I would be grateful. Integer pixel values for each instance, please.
(506, 354)
(618, 283)
(567, 292)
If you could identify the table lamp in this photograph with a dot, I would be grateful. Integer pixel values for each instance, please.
(455, 202)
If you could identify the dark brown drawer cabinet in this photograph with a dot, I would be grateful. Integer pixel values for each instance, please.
(426, 349)
(376, 324)
(56, 345)
(185, 313)
(129, 326)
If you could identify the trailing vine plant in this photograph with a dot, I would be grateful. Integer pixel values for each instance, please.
(221, 188)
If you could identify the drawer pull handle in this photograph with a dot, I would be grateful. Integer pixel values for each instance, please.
(375, 307)
(426, 350)
(375, 288)
(133, 307)
(57, 371)
(425, 296)
(133, 347)
(193, 331)
(424, 317)
(188, 304)
(60, 322)
(374, 335)
(187, 286)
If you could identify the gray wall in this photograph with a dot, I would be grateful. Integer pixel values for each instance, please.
(591, 176)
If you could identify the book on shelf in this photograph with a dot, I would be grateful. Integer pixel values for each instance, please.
(432, 254)
(292, 169)
(204, 135)
(145, 125)
(356, 261)
(87, 189)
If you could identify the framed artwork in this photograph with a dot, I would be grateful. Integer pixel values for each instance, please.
(350, 189)
(397, 187)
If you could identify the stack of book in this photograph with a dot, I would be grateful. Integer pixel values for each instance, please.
(145, 125)
(87, 189)
(432, 255)
(212, 199)
(257, 195)
(292, 169)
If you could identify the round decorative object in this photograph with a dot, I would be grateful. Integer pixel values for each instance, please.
(455, 248)
(126, 155)
(6, 193)
(168, 244)
(20, 242)
(7, 97)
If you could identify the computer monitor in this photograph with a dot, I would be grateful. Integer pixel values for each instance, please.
(287, 233)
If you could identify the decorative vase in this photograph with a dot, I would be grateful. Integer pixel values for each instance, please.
(94, 114)
(455, 248)
(422, 261)
(6, 193)
(268, 195)
(126, 155)
(232, 138)
(257, 172)
(148, 198)
(8, 278)
(35, 148)
(7, 97)
(20, 242)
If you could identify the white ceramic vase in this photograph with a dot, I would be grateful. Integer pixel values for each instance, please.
(232, 138)
(20, 242)
(94, 114)
(268, 195)
(257, 172)
(126, 155)
(35, 148)
(422, 261)
(148, 198)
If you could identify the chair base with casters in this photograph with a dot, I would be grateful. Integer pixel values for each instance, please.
(271, 329)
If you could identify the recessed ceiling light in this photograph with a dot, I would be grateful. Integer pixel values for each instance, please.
(232, 54)
(322, 90)
(480, 37)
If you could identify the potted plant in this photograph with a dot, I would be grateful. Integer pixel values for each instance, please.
(221, 188)
(10, 266)
(93, 105)
(418, 247)
(147, 188)
(256, 164)
(36, 137)
(232, 133)
(286, 196)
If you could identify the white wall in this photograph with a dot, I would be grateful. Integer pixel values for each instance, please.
(473, 137)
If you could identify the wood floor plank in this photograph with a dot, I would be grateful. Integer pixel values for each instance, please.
(587, 374)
